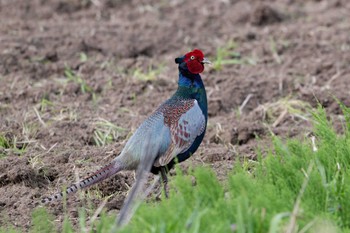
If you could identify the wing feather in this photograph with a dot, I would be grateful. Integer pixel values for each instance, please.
(183, 130)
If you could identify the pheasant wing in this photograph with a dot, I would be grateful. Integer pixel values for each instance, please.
(186, 122)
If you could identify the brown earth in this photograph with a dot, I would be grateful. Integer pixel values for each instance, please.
(68, 65)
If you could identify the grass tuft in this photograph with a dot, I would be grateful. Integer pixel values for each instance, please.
(10, 144)
(150, 75)
(75, 78)
(275, 112)
(293, 188)
(42, 222)
(4, 143)
(227, 55)
(106, 132)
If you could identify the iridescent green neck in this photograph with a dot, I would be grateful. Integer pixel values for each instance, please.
(193, 88)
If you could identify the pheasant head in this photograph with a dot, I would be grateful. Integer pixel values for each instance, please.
(192, 62)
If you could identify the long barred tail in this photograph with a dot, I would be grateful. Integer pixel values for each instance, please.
(99, 175)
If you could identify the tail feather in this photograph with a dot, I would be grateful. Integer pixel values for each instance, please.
(96, 177)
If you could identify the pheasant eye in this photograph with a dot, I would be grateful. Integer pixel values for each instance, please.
(192, 57)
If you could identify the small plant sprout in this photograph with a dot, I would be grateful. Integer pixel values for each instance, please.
(274, 113)
(73, 77)
(83, 57)
(150, 75)
(227, 55)
(106, 132)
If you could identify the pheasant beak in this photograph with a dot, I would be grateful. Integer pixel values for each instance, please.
(205, 61)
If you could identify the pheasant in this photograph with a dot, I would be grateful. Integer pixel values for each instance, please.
(171, 134)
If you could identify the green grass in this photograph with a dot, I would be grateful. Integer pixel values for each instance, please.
(149, 75)
(299, 186)
(83, 57)
(274, 44)
(227, 55)
(273, 48)
(106, 132)
(262, 198)
(75, 78)
(85, 88)
(4, 144)
(45, 104)
(11, 144)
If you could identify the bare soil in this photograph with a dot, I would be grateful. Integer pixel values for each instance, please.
(291, 54)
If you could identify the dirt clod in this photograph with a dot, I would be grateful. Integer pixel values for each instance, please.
(265, 15)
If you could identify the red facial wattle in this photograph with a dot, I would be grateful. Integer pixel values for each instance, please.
(195, 67)
(194, 61)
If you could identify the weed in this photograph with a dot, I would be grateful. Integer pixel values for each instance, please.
(42, 222)
(274, 113)
(227, 55)
(4, 144)
(10, 144)
(44, 104)
(106, 132)
(36, 162)
(83, 57)
(84, 87)
(66, 114)
(150, 75)
(273, 48)
(8, 229)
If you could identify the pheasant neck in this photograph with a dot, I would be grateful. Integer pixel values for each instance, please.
(192, 87)
(190, 81)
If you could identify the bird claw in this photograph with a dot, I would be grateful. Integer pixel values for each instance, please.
(164, 183)
(163, 188)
